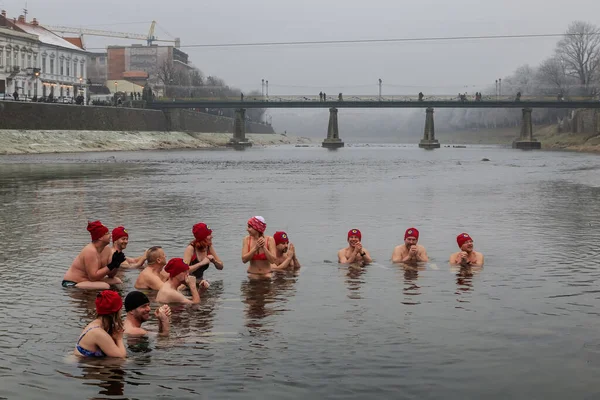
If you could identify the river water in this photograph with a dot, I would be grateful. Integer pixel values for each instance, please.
(526, 326)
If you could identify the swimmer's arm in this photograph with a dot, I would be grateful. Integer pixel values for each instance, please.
(397, 255)
(342, 257)
(111, 347)
(217, 261)
(163, 327)
(136, 332)
(269, 245)
(296, 262)
(202, 263)
(367, 257)
(134, 262)
(92, 267)
(195, 294)
(247, 256)
(286, 263)
(422, 255)
(479, 262)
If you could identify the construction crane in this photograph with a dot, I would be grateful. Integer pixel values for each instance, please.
(150, 38)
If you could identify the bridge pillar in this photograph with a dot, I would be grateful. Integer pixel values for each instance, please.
(333, 140)
(526, 140)
(239, 130)
(429, 142)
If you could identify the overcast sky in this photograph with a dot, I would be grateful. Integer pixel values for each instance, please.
(440, 67)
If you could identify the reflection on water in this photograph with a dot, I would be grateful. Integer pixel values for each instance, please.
(330, 331)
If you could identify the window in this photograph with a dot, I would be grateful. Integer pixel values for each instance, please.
(44, 64)
(16, 58)
(62, 67)
(8, 59)
(22, 59)
(1, 57)
(75, 68)
(52, 66)
(68, 68)
(35, 64)
(102, 60)
(29, 60)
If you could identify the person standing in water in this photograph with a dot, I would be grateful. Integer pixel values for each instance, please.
(355, 253)
(466, 257)
(200, 253)
(103, 337)
(258, 249)
(410, 252)
(285, 252)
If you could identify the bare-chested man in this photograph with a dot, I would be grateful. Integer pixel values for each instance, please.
(120, 238)
(466, 256)
(179, 273)
(285, 252)
(153, 276)
(355, 253)
(92, 268)
(410, 252)
(137, 307)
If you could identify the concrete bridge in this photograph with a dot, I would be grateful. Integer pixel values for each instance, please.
(333, 140)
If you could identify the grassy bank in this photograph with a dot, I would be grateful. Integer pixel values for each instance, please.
(35, 142)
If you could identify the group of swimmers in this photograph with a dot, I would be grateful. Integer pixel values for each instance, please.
(97, 265)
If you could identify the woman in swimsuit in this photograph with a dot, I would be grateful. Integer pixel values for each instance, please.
(103, 337)
(200, 253)
(258, 249)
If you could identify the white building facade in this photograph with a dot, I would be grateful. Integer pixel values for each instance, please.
(62, 65)
(19, 55)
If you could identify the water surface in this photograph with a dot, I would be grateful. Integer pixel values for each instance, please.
(523, 327)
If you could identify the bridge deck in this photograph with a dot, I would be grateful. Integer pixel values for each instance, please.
(375, 104)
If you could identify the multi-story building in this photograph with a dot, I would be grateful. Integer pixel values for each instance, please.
(54, 66)
(19, 53)
(97, 69)
(139, 63)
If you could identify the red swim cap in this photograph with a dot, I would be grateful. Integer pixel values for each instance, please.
(201, 231)
(96, 230)
(280, 237)
(462, 239)
(354, 232)
(411, 232)
(258, 223)
(118, 233)
(175, 266)
(108, 302)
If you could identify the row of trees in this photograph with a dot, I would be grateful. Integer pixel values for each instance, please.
(190, 83)
(572, 71)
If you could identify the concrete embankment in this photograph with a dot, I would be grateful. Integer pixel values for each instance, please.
(42, 116)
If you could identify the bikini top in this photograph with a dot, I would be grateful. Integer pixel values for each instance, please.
(88, 353)
(257, 256)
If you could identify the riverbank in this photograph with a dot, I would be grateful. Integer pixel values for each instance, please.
(548, 135)
(47, 141)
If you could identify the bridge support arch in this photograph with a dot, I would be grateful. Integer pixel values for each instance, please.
(239, 130)
(333, 140)
(526, 141)
(429, 142)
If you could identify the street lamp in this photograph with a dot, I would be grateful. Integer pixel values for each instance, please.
(380, 81)
(262, 88)
(267, 82)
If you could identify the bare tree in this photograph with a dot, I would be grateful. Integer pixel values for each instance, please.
(552, 77)
(580, 52)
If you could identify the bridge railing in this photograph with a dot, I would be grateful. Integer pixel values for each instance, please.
(364, 98)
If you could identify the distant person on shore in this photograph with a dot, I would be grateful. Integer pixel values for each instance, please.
(200, 253)
(420, 96)
(178, 275)
(466, 256)
(91, 268)
(153, 276)
(137, 307)
(285, 252)
(258, 249)
(320, 96)
(103, 337)
(324, 96)
(410, 252)
(120, 238)
(16, 95)
(355, 253)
